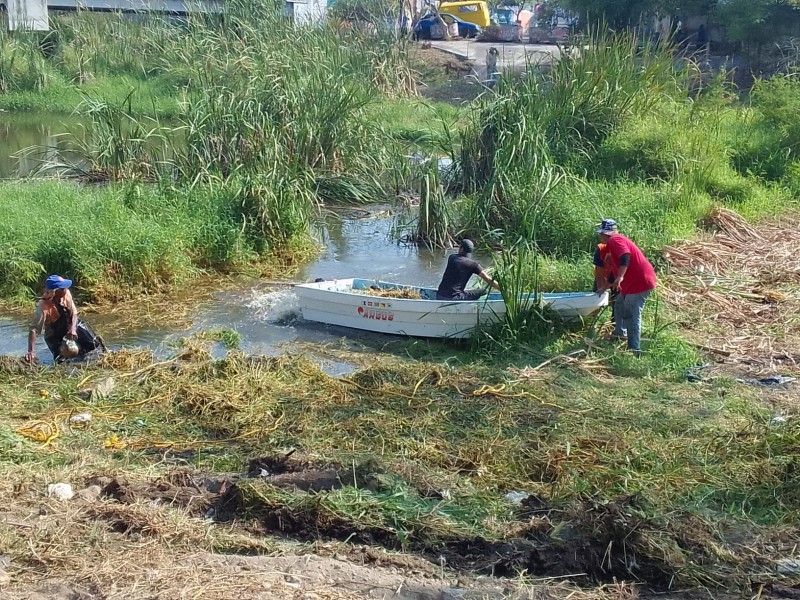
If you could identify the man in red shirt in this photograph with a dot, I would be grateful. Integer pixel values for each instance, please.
(635, 279)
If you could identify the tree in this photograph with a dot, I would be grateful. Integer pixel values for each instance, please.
(756, 22)
(619, 14)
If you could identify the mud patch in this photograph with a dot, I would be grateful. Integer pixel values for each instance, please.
(293, 497)
(10, 365)
(597, 541)
(582, 560)
(195, 493)
(129, 520)
(288, 471)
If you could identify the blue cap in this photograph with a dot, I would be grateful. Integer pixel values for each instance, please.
(608, 227)
(57, 282)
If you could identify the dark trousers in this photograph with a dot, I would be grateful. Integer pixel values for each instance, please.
(465, 296)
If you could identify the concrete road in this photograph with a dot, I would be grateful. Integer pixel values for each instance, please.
(512, 56)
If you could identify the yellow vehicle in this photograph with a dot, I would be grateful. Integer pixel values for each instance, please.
(474, 11)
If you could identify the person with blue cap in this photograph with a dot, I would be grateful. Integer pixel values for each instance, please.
(66, 335)
(632, 276)
(460, 267)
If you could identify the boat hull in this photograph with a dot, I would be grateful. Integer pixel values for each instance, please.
(339, 303)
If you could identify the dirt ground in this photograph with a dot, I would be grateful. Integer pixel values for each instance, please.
(301, 577)
(120, 539)
(739, 289)
(445, 77)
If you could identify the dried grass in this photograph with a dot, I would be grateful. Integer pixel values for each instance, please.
(403, 293)
(441, 444)
(741, 286)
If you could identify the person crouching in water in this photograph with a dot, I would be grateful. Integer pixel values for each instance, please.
(66, 335)
(460, 267)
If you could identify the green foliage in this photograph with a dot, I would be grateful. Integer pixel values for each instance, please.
(120, 145)
(546, 159)
(520, 138)
(745, 21)
(229, 338)
(617, 13)
(434, 225)
(269, 128)
(756, 22)
(113, 240)
(777, 101)
(374, 12)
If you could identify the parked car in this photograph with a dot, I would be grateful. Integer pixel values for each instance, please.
(470, 11)
(423, 29)
(505, 26)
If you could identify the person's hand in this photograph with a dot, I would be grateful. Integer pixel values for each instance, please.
(30, 357)
(617, 283)
(73, 335)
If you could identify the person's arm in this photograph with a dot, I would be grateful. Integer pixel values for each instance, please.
(489, 280)
(624, 262)
(600, 283)
(72, 333)
(30, 356)
(37, 326)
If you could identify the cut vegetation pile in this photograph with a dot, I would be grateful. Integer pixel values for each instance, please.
(636, 479)
(741, 286)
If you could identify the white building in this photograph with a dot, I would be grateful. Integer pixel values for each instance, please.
(25, 14)
(304, 12)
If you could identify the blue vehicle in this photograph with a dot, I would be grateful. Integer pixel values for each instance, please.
(465, 30)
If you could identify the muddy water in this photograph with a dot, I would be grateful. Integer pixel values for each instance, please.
(27, 140)
(356, 243)
(266, 315)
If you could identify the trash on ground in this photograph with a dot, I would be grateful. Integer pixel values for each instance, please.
(80, 419)
(517, 498)
(771, 382)
(98, 390)
(60, 491)
(789, 566)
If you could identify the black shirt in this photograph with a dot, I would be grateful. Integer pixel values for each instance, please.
(456, 275)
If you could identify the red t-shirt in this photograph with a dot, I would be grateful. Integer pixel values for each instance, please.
(640, 276)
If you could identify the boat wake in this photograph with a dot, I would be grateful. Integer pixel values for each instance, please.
(276, 307)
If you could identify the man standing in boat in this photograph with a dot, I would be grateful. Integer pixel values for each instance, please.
(460, 267)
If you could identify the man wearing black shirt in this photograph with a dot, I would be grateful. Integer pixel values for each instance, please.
(460, 267)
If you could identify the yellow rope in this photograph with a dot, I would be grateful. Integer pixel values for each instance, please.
(44, 432)
(114, 443)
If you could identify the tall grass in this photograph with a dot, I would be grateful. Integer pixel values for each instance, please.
(615, 132)
(120, 144)
(280, 119)
(522, 137)
(274, 122)
(434, 224)
(115, 241)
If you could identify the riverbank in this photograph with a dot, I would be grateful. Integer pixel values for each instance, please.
(620, 478)
(122, 241)
(533, 454)
(156, 97)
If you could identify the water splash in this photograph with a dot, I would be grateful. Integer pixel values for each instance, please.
(275, 305)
